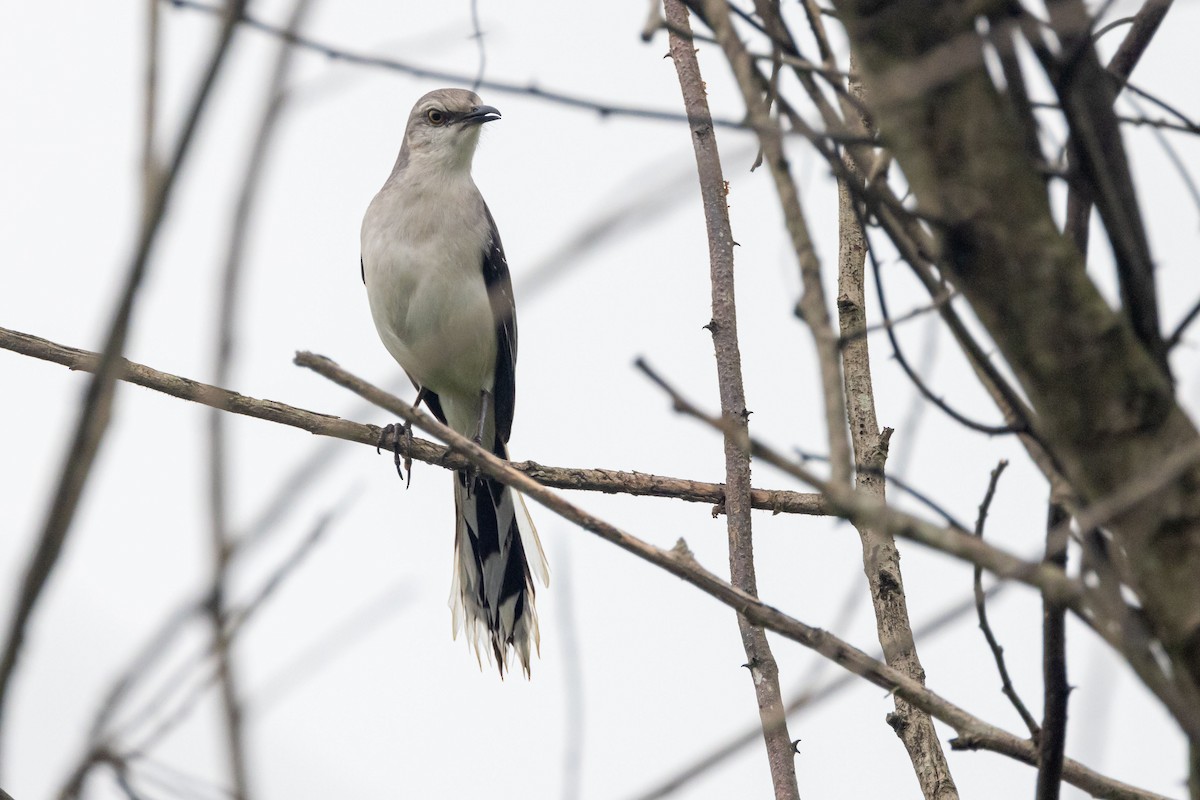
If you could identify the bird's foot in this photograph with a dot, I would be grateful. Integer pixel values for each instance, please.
(403, 461)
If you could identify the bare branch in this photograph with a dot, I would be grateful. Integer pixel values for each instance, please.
(477, 35)
(805, 698)
(723, 327)
(1119, 625)
(1006, 685)
(1053, 736)
(1138, 37)
(914, 378)
(222, 543)
(601, 107)
(1097, 155)
(881, 558)
(96, 410)
(812, 300)
(853, 506)
(973, 732)
(1180, 329)
(591, 480)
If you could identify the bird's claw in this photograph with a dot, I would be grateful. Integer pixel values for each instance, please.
(403, 461)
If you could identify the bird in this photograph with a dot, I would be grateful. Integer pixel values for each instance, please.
(441, 298)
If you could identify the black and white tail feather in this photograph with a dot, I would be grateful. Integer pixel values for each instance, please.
(496, 556)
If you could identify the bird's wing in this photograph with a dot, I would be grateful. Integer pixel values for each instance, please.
(504, 312)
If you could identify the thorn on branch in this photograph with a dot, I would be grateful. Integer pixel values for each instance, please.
(966, 741)
(682, 551)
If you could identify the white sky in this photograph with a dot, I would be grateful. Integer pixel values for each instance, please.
(404, 711)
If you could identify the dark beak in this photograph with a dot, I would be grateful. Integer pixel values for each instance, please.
(479, 115)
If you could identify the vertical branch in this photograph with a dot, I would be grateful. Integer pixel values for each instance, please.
(1145, 25)
(1006, 684)
(150, 165)
(881, 558)
(760, 661)
(222, 542)
(1054, 665)
(1098, 160)
(96, 409)
(812, 301)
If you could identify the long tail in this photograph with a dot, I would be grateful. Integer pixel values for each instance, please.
(496, 554)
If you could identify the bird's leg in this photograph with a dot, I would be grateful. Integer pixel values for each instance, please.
(485, 402)
(397, 434)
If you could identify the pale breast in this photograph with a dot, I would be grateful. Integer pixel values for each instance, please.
(422, 261)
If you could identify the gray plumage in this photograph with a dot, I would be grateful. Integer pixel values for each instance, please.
(441, 298)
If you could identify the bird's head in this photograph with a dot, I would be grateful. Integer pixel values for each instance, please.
(443, 128)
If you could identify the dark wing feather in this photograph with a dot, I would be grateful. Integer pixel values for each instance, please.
(435, 405)
(504, 312)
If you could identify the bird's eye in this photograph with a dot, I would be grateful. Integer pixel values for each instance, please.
(435, 116)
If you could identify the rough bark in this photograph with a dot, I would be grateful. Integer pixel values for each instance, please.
(1106, 409)
(759, 660)
(881, 558)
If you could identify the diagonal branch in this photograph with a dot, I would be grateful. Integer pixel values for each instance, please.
(805, 698)
(973, 733)
(96, 410)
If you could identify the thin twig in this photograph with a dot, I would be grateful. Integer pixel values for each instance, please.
(805, 698)
(1185, 126)
(106, 735)
(96, 409)
(760, 661)
(218, 476)
(1184, 119)
(1121, 627)
(914, 378)
(477, 35)
(170, 720)
(1006, 684)
(601, 107)
(1172, 154)
(337, 641)
(865, 330)
(608, 481)
(1053, 736)
(973, 733)
(150, 162)
(852, 506)
(1177, 335)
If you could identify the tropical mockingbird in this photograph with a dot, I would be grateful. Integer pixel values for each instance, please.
(442, 301)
